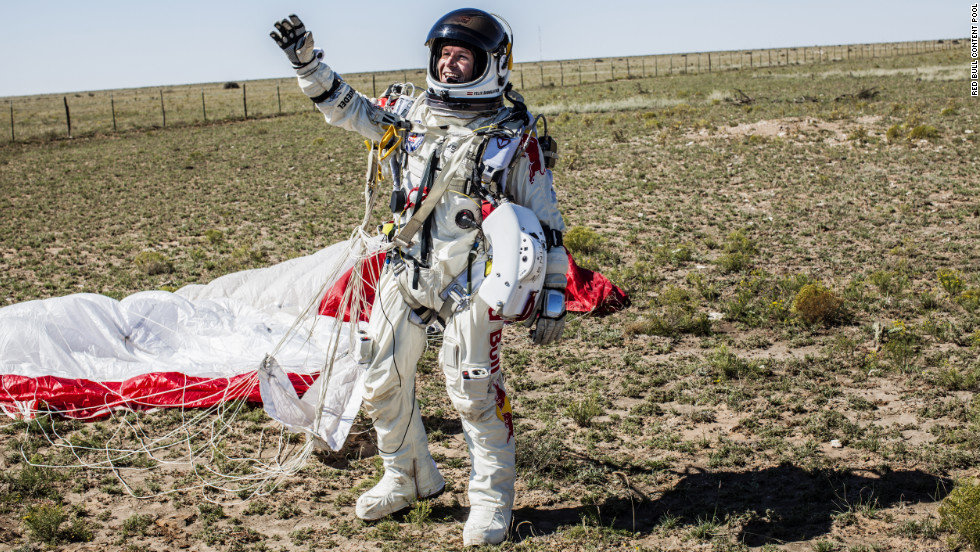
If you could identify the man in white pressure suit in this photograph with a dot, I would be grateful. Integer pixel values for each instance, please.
(462, 153)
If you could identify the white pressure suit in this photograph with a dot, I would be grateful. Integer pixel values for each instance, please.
(442, 144)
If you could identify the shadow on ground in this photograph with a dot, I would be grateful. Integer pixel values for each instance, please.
(784, 503)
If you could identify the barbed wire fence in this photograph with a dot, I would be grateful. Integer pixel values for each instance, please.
(55, 116)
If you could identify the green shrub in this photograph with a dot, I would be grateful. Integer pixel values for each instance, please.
(901, 344)
(894, 133)
(210, 513)
(951, 281)
(582, 412)
(728, 366)
(33, 481)
(970, 299)
(816, 304)
(960, 512)
(153, 262)
(420, 514)
(137, 524)
(738, 253)
(674, 313)
(44, 521)
(214, 236)
(923, 132)
(580, 239)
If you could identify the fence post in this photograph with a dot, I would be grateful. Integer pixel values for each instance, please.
(244, 100)
(709, 62)
(595, 69)
(374, 87)
(67, 116)
(204, 107)
(628, 73)
(522, 78)
(279, 98)
(580, 74)
(541, 67)
(112, 106)
(163, 110)
(13, 138)
(561, 68)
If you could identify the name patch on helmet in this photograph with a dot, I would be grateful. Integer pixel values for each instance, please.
(494, 92)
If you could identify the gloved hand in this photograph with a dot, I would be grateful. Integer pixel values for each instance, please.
(550, 317)
(297, 43)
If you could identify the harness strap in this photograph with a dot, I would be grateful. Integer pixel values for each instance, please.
(424, 208)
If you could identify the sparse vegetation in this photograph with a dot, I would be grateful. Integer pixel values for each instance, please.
(815, 304)
(960, 512)
(805, 315)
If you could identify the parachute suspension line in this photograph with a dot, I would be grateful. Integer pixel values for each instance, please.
(128, 441)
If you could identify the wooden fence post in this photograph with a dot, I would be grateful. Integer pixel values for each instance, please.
(204, 107)
(522, 79)
(374, 86)
(628, 73)
(561, 68)
(67, 116)
(541, 67)
(244, 100)
(279, 98)
(13, 138)
(163, 110)
(112, 106)
(709, 62)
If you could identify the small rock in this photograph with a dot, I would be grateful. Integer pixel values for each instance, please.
(836, 444)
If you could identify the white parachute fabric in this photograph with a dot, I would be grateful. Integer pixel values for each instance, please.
(198, 346)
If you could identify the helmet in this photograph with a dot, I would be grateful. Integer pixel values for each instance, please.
(488, 37)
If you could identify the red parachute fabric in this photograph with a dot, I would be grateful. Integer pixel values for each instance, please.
(587, 291)
(85, 399)
(592, 292)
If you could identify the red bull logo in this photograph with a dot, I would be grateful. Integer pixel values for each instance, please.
(504, 412)
(495, 338)
(533, 153)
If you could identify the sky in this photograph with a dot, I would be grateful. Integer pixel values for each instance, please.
(54, 46)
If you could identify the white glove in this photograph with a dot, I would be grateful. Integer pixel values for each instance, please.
(550, 317)
(297, 43)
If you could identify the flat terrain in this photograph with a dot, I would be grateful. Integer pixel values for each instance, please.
(798, 369)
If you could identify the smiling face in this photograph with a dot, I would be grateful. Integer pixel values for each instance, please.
(455, 64)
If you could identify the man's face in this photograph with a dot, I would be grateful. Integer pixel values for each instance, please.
(455, 64)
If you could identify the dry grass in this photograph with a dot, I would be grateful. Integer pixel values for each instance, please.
(705, 416)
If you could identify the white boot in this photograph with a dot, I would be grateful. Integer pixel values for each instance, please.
(486, 525)
(400, 489)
